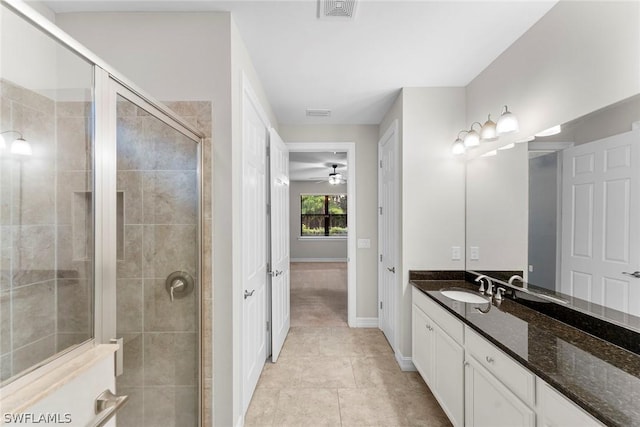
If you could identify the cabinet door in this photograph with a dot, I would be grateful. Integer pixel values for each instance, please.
(422, 334)
(489, 403)
(554, 410)
(449, 376)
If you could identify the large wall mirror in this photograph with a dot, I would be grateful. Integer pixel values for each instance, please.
(564, 210)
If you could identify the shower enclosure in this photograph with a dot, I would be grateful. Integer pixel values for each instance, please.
(100, 223)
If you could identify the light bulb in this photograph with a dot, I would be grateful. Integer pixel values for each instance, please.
(21, 147)
(472, 139)
(507, 123)
(488, 131)
(458, 147)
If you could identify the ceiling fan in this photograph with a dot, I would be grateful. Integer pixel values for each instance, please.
(335, 177)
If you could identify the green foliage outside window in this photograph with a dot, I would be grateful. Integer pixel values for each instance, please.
(323, 215)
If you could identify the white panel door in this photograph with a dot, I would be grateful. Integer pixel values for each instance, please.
(388, 232)
(254, 247)
(601, 222)
(280, 277)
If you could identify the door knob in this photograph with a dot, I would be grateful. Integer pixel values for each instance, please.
(392, 269)
(635, 274)
(247, 294)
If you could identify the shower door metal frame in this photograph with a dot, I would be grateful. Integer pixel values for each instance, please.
(108, 84)
(108, 89)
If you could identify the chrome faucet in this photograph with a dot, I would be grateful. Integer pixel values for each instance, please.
(516, 277)
(481, 279)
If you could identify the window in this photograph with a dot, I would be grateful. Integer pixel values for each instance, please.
(323, 215)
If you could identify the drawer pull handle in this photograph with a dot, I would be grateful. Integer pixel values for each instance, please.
(489, 359)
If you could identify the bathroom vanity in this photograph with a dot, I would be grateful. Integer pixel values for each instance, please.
(501, 363)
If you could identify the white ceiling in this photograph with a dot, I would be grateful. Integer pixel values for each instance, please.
(316, 166)
(356, 68)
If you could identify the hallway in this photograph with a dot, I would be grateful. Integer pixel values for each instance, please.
(332, 375)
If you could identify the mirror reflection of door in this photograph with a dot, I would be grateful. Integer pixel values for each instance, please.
(600, 222)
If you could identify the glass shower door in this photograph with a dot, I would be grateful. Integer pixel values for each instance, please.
(157, 285)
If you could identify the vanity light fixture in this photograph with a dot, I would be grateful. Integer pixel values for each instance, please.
(22, 147)
(553, 130)
(488, 131)
(472, 138)
(507, 123)
(19, 145)
(458, 146)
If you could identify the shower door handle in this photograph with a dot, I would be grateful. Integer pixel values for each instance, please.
(118, 355)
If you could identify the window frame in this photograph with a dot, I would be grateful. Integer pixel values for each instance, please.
(327, 218)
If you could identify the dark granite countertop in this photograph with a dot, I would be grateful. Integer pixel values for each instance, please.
(600, 377)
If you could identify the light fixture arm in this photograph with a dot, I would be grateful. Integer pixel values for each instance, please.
(462, 131)
(12, 131)
(475, 123)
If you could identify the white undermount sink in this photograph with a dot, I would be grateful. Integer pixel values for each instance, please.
(464, 295)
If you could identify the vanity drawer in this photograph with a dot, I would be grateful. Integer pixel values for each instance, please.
(447, 322)
(518, 379)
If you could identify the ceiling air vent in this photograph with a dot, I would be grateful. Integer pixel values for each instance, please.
(336, 9)
(318, 113)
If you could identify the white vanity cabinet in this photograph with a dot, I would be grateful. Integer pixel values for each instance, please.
(555, 410)
(439, 355)
(476, 383)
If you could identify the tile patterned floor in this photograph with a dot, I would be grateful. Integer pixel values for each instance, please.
(332, 375)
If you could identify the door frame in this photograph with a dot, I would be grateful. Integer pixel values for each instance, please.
(391, 132)
(350, 149)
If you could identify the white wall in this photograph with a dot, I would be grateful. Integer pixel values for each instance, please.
(365, 138)
(497, 200)
(310, 249)
(432, 188)
(579, 57)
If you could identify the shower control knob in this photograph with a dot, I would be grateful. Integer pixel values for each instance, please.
(179, 284)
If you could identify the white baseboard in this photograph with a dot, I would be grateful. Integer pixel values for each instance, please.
(406, 363)
(366, 322)
(318, 260)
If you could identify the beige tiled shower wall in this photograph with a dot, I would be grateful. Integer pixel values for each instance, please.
(45, 240)
(157, 180)
(198, 113)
